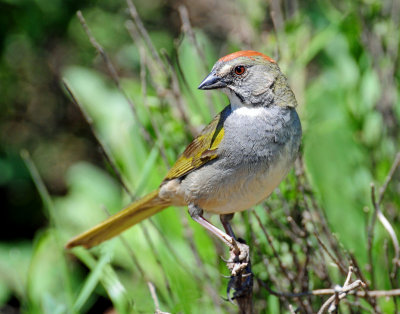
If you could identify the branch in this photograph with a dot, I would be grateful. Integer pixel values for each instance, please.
(187, 29)
(115, 77)
(384, 221)
(145, 35)
(104, 148)
(389, 177)
(335, 260)
(155, 299)
(317, 292)
(339, 293)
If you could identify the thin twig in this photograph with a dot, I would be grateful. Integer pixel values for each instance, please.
(334, 259)
(270, 242)
(178, 96)
(347, 281)
(286, 272)
(174, 95)
(154, 68)
(188, 87)
(41, 187)
(154, 125)
(206, 278)
(343, 292)
(278, 23)
(317, 292)
(153, 293)
(170, 248)
(104, 148)
(389, 228)
(360, 275)
(145, 35)
(296, 229)
(290, 232)
(114, 75)
(393, 283)
(393, 168)
(132, 255)
(333, 308)
(386, 224)
(158, 261)
(188, 30)
(304, 187)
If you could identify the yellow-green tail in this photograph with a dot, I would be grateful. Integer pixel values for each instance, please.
(131, 215)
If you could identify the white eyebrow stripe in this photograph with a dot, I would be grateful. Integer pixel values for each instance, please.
(224, 70)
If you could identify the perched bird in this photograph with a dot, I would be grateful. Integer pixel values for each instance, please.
(235, 162)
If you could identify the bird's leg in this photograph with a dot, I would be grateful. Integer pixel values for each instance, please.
(225, 220)
(241, 281)
(243, 253)
(239, 256)
(197, 215)
(238, 259)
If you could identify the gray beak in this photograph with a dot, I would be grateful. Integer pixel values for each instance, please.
(212, 81)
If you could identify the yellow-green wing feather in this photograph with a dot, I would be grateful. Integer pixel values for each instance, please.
(202, 149)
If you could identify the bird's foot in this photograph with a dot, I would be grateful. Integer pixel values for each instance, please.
(241, 279)
(239, 257)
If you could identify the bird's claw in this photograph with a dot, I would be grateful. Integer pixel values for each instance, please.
(241, 284)
(238, 258)
(241, 279)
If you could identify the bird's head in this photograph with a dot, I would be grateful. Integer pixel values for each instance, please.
(251, 79)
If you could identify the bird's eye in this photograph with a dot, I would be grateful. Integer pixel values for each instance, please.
(239, 70)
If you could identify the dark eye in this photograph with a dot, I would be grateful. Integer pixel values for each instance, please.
(239, 70)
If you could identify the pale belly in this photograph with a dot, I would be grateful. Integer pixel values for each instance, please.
(221, 192)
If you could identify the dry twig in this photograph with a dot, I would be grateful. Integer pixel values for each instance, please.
(114, 75)
(104, 148)
(153, 293)
(340, 293)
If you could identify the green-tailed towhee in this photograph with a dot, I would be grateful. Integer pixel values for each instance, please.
(235, 162)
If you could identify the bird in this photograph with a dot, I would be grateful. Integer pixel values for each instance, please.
(235, 162)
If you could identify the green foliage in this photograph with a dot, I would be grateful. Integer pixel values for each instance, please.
(349, 108)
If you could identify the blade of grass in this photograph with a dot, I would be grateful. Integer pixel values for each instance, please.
(107, 277)
(92, 281)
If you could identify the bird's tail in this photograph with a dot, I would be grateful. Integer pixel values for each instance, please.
(131, 215)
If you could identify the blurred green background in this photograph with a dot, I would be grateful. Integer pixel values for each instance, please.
(341, 59)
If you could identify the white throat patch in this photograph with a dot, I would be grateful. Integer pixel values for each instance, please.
(233, 99)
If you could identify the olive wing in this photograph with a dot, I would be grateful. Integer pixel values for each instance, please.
(202, 149)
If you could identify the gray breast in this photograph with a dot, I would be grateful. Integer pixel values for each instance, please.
(254, 135)
(258, 149)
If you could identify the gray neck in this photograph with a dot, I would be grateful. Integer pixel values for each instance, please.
(279, 94)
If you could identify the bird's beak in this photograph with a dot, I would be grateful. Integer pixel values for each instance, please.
(212, 81)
